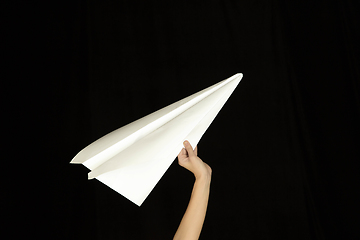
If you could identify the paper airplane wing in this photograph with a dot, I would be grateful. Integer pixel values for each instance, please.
(132, 159)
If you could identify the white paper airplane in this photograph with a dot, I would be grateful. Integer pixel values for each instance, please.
(132, 159)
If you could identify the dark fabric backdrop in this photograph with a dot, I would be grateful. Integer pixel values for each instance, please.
(284, 149)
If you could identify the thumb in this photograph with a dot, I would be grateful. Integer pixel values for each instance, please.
(189, 148)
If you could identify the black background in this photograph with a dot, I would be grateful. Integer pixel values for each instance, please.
(284, 149)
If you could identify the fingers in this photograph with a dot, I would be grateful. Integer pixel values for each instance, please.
(189, 149)
(183, 151)
(182, 154)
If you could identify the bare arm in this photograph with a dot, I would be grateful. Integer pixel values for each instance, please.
(193, 219)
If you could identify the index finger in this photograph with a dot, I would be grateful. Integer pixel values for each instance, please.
(189, 148)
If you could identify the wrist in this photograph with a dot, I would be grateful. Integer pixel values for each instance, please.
(203, 178)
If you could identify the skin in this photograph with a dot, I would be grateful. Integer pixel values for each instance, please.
(193, 219)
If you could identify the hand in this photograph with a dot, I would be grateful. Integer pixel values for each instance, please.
(188, 159)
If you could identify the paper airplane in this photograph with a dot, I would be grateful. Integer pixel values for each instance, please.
(132, 159)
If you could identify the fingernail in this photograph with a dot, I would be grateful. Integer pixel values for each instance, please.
(186, 142)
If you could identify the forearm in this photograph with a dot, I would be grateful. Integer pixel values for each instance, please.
(193, 219)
